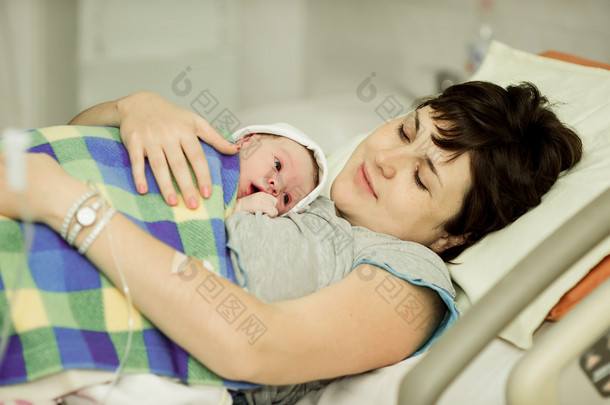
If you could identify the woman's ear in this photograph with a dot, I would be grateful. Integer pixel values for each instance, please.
(445, 242)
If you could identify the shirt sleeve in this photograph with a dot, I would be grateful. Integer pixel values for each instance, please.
(412, 262)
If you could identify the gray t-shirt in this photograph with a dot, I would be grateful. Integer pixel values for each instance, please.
(323, 249)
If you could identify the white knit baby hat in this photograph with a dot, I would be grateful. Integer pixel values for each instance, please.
(295, 134)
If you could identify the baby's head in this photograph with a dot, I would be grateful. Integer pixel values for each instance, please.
(280, 160)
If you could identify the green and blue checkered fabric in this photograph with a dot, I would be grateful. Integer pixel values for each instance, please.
(68, 315)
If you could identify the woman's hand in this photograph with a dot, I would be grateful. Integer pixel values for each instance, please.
(48, 192)
(167, 135)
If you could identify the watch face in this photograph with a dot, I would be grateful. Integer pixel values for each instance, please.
(85, 216)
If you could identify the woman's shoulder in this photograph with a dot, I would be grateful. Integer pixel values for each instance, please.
(365, 238)
(405, 259)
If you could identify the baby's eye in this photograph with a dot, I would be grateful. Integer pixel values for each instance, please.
(278, 165)
(286, 199)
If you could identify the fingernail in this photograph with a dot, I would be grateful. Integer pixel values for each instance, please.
(205, 192)
(172, 199)
(192, 203)
(141, 189)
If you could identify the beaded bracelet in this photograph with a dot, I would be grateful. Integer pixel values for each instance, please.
(72, 211)
(96, 231)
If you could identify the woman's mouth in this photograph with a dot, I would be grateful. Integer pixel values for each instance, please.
(363, 180)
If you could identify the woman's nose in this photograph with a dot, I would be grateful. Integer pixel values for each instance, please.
(388, 161)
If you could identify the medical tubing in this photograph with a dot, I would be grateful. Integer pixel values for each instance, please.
(28, 236)
(15, 143)
(107, 214)
(98, 228)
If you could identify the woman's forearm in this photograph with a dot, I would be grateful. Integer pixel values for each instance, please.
(194, 307)
(104, 114)
(337, 331)
(334, 332)
(111, 113)
(175, 302)
(343, 329)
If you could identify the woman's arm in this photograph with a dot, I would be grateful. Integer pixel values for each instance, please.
(349, 327)
(346, 328)
(153, 128)
(104, 114)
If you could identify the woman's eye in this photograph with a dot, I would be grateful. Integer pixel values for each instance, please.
(418, 181)
(401, 132)
(278, 165)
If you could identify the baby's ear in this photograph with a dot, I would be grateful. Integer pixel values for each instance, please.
(246, 140)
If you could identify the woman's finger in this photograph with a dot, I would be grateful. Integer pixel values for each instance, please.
(137, 159)
(160, 169)
(212, 137)
(180, 168)
(196, 157)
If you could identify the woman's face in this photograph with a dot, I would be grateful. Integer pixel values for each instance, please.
(398, 182)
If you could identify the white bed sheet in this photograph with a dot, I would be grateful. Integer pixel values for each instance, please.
(149, 389)
(482, 382)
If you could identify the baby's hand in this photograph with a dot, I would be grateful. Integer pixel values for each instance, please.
(261, 201)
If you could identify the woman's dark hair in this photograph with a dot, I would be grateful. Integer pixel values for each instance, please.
(517, 148)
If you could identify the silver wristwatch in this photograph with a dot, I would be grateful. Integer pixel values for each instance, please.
(85, 216)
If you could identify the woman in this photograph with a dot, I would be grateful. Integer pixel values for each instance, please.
(462, 165)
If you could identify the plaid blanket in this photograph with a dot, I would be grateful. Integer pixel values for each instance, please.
(67, 314)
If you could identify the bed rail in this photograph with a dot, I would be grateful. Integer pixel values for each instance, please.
(459, 346)
(534, 379)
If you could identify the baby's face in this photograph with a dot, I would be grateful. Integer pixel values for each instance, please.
(275, 165)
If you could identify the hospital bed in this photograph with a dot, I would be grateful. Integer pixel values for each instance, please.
(503, 350)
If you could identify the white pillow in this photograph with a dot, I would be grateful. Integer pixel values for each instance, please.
(338, 159)
(582, 95)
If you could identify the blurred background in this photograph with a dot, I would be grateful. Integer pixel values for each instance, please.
(333, 68)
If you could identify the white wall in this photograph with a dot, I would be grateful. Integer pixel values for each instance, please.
(58, 57)
(400, 48)
(178, 49)
(272, 57)
(37, 62)
(409, 42)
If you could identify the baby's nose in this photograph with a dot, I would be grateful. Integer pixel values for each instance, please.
(274, 184)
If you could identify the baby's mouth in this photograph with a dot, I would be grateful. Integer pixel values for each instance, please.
(253, 189)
